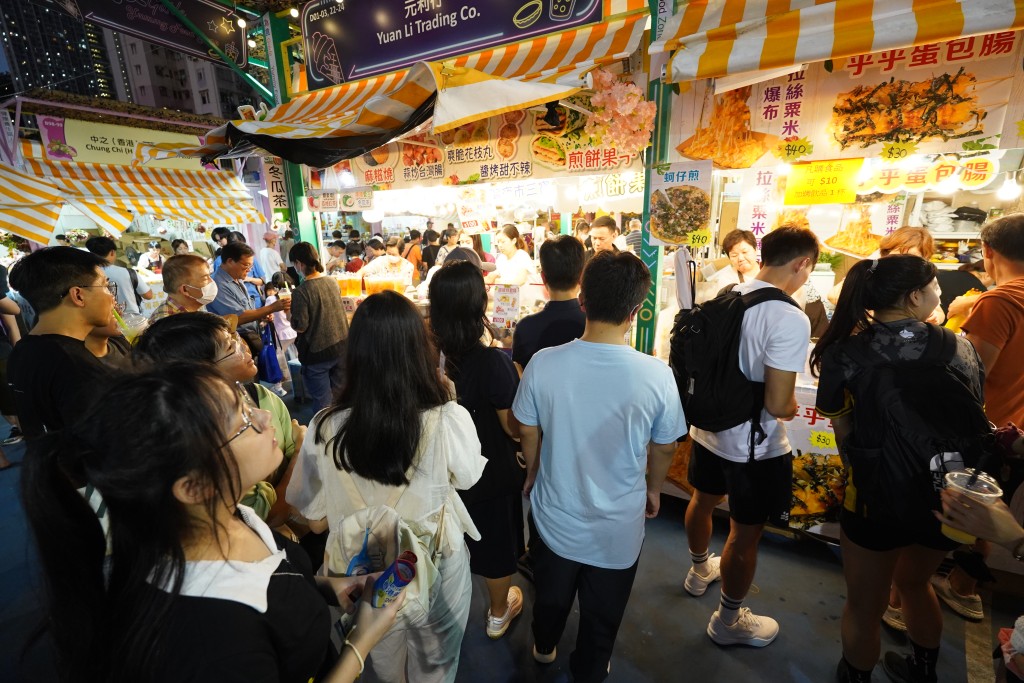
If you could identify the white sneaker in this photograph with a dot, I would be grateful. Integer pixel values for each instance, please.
(279, 390)
(893, 618)
(496, 626)
(967, 606)
(696, 583)
(548, 657)
(748, 630)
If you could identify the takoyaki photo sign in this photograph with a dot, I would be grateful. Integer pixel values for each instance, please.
(348, 40)
(517, 145)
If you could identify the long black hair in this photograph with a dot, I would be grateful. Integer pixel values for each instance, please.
(392, 377)
(458, 303)
(872, 285)
(141, 436)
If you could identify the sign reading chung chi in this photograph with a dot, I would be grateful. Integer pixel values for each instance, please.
(350, 40)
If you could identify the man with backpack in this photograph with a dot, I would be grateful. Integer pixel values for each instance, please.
(736, 360)
(130, 289)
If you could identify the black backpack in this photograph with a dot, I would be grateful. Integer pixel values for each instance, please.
(914, 420)
(705, 358)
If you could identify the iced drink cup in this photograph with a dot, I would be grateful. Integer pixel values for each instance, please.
(985, 490)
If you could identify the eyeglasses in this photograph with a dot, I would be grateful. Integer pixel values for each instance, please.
(249, 412)
(236, 348)
(110, 285)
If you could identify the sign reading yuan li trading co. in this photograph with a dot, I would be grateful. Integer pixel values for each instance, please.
(347, 40)
(152, 21)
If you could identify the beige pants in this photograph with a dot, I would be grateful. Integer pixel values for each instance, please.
(424, 648)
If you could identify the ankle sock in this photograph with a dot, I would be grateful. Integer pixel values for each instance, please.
(729, 609)
(924, 662)
(852, 674)
(699, 561)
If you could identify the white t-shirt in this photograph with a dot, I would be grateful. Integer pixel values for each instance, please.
(270, 261)
(598, 406)
(451, 459)
(516, 270)
(125, 291)
(384, 265)
(774, 334)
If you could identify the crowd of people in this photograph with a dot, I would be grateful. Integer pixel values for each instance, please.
(189, 529)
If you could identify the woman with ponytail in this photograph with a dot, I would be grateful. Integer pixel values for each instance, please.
(194, 587)
(881, 315)
(514, 265)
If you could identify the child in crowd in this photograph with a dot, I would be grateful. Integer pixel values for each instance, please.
(277, 286)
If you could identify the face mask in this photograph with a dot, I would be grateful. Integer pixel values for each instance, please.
(209, 293)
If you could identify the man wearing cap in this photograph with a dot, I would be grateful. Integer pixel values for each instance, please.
(270, 256)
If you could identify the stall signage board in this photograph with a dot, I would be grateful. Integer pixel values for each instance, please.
(954, 96)
(681, 204)
(918, 174)
(104, 143)
(823, 182)
(273, 174)
(515, 146)
(153, 22)
(506, 306)
(348, 40)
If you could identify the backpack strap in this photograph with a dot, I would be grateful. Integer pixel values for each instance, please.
(763, 294)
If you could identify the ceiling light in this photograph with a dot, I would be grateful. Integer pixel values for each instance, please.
(1010, 190)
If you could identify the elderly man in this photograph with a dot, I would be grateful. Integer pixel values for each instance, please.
(233, 298)
(188, 284)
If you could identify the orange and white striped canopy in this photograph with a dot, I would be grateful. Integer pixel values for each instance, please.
(111, 196)
(466, 89)
(712, 38)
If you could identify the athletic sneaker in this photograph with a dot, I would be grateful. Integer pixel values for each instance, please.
(279, 390)
(696, 583)
(496, 627)
(15, 437)
(898, 668)
(893, 618)
(967, 606)
(748, 630)
(547, 657)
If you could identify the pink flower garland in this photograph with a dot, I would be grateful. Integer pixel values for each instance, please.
(622, 118)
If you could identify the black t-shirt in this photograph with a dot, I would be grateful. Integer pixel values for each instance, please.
(954, 283)
(559, 323)
(118, 354)
(53, 378)
(212, 639)
(430, 254)
(486, 382)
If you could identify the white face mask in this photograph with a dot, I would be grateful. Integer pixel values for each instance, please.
(209, 293)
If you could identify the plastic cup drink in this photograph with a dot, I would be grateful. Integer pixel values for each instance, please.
(355, 285)
(395, 578)
(985, 490)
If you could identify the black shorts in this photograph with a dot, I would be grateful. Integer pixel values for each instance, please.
(893, 533)
(759, 491)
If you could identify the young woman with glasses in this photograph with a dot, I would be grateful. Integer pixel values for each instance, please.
(195, 587)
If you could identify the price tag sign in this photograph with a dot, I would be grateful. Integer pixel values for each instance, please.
(700, 238)
(791, 150)
(821, 441)
(893, 152)
(823, 182)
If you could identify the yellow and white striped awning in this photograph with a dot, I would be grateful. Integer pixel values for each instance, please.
(111, 196)
(468, 88)
(712, 38)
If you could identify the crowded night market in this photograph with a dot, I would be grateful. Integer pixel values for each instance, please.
(517, 340)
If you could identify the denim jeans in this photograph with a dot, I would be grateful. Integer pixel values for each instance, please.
(322, 380)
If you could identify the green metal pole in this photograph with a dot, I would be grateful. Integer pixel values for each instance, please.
(275, 31)
(661, 95)
(180, 16)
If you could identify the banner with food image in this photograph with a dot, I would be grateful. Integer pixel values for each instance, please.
(934, 98)
(517, 145)
(681, 203)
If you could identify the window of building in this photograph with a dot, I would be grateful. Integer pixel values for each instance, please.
(138, 69)
(200, 75)
(142, 90)
(131, 47)
(204, 96)
(163, 91)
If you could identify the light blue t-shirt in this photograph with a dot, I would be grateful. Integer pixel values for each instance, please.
(598, 406)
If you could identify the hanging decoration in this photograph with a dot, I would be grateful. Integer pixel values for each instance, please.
(621, 117)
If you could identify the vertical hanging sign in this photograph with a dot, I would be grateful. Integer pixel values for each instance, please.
(273, 174)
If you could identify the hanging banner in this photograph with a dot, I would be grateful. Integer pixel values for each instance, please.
(104, 143)
(681, 204)
(517, 145)
(346, 40)
(928, 99)
(153, 22)
(273, 174)
(8, 139)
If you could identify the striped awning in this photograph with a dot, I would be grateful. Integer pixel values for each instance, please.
(339, 123)
(111, 196)
(712, 38)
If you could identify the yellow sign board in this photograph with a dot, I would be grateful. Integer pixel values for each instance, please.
(823, 182)
(104, 143)
(823, 440)
(893, 152)
(793, 149)
(700, 238)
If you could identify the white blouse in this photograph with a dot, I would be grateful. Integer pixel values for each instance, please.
(516, 270)
(451, 460)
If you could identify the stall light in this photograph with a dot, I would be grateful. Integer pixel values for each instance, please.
(373, 216)
(866, 171)
(294, 12)
(1009, 190)
(948, 185)
(783, 169)
(346, 179)
(241, 22)
(251, 42)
